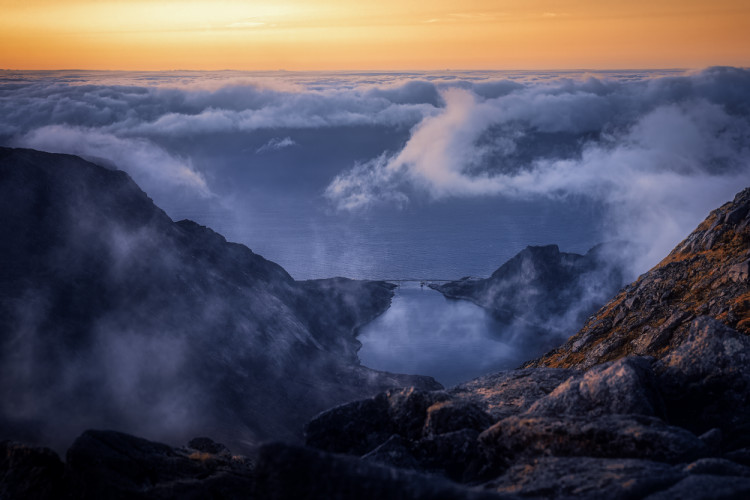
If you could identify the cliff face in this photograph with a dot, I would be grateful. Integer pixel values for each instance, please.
(543, 287)
(112, 315)
(705, 275)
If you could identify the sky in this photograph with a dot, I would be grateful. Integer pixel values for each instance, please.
(366, 35)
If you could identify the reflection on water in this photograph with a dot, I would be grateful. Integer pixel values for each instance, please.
(451, 340)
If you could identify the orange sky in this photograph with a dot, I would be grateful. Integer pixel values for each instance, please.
(384, 34)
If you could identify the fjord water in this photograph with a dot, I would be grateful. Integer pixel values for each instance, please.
(425, 333)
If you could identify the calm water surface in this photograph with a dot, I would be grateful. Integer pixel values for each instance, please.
(451, 340)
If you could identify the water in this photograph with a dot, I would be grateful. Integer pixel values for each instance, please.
(446, 240)
(450, 340)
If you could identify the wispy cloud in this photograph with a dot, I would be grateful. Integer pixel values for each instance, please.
(276, 144)
(149, 164)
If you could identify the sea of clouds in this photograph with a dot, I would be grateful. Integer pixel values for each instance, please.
(655, 151)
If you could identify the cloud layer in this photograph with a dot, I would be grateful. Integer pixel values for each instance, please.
(654, 151)
(658, 154)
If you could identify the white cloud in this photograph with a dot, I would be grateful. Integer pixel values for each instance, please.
(657, 155)
(657, 151)
(276, 144)
(367, 184)
(150, 166)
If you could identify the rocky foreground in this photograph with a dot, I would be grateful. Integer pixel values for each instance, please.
(637, 405)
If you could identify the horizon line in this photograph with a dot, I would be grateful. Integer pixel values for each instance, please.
(375, 70)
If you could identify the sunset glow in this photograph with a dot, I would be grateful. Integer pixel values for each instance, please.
(390, 34)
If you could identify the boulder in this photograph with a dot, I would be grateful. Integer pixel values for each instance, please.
(586, 478)
(30, 472)
(359, 427)
(455, 455)
(354, 428)
(706, 487)
(706, 381)
(740, 456)
(107, 464)
(293, 472)
(607, 436)
(407, 409)
(449, 416)
(510, 392)
(394, 452)
(625, 386)
(717, 467)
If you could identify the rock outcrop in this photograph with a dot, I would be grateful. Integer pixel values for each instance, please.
(29, 472)
(107, 464)
(114, 316)
(543, 291)
(705, 275)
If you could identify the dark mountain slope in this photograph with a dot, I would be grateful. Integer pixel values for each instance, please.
(112, 315)
(544, 287)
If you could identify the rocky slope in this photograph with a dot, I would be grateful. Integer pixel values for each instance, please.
(545, 288)
(114, 316)
(705, 275)
(675, 428)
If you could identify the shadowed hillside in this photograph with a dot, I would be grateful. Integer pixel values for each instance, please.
(113, 316)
